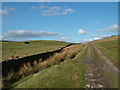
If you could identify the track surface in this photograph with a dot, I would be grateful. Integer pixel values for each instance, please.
(96, 68)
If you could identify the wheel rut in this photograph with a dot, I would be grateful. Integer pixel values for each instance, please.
(108, 61)
(93, 74)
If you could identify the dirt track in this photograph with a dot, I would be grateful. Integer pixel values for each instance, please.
(107, 60)
(96, 68)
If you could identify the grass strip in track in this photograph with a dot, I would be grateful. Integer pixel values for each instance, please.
(111, 78)
(110, 49)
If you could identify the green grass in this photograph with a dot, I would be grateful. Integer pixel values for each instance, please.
(68, 74)
(97, 56)
(112, 79)
(35, 47)
(110, 49)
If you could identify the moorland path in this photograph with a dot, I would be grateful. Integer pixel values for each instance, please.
(96, 68)
(107, 60)
(93, 74)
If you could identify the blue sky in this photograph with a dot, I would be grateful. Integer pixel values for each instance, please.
(72, 22)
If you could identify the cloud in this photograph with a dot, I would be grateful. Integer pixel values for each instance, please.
(56, 11)
(103, 36)
(84, 40)
(51, 11)
(113, 28)
(6, 11)
(95, 38)
(81, 31)
(93, 35)
(68, 10)
(88, 40)
(96, 22)
(57, 8)
(33, 8)
(100, 36)
(43, 6)
(65, 38)
(10, 8)
(22, 34)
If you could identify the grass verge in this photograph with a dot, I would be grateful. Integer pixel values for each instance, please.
(112, 79)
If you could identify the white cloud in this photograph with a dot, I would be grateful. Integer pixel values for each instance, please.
(33, 8)
(65, 38)
(22, 34)
(103, 36)
(100, 36)
(10, 8)
(6, 11)
(96, 22)
(57, 24)
(57, 8)
(43, 6)
(68, 10)
(81, 31)
(51, 11)
(84, 40)
(93, 35)
(96, 38)
(113, 28)
(56, 11)
(88, 40)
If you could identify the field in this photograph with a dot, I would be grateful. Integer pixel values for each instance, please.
(87, 65)
(20, 49)
(68, 74)
(109, 47)
(28, 67)
(110, 76)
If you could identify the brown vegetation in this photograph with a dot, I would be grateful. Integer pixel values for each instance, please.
(29, 65)
(114, 37)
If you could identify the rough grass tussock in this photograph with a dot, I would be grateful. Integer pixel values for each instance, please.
(37, 65)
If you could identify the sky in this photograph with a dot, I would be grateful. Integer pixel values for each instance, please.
(64, 21)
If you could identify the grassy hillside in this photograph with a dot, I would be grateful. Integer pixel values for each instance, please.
(20, 49)
(29, 68)
(109, 46)
(68, 74)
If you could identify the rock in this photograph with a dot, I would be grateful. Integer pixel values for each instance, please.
(92, 86)
(91, 74)
(88, 86)
(93, 80)
(100, 86)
